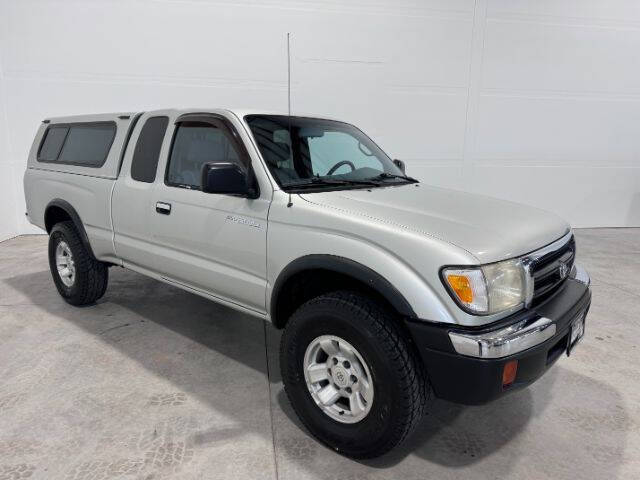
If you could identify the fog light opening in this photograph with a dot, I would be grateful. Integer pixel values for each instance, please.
(509, 373)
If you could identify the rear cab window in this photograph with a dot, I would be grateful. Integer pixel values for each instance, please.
(82, 144)
(147, 153)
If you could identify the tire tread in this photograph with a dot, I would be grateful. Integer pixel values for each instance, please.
(400, 351)
(94, 272)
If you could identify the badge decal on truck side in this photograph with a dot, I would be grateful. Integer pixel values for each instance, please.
(249, 222)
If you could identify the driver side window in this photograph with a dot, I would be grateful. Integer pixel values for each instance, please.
(333, 147)
(194, 144)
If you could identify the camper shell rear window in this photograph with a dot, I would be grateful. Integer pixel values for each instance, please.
(82, 144)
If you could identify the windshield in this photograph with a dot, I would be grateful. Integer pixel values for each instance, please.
(303, 151)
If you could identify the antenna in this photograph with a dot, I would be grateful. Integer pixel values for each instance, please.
(289, 73)
(289, 203)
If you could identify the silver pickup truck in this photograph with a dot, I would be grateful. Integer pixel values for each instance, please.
(389, 291)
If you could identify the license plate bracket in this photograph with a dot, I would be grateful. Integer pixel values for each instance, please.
(576, 332)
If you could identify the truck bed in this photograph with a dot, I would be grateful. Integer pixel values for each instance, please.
(87, 187)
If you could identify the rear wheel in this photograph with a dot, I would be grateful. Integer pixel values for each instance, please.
(352, 375)
(78, 276)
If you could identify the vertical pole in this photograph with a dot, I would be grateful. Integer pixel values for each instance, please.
(289, 73)
(289, 203)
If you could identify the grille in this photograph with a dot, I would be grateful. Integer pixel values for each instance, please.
(547, 271)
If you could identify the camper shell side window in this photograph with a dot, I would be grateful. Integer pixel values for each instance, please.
(82, 144)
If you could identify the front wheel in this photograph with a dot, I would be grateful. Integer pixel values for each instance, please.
(78, 276)
(352, 375)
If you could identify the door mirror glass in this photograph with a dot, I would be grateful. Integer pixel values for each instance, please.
(400, 164)
(225, 177)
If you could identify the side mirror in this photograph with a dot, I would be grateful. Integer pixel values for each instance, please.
(400, 164)
(228, 178)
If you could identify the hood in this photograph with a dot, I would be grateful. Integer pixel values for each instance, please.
(488, 228)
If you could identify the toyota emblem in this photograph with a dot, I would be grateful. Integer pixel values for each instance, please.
(563, 270)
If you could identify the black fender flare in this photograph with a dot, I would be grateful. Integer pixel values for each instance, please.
(346, 267)
(75, 218)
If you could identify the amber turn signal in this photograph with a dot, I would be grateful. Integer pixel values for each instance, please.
(509, 373)
(461, 286)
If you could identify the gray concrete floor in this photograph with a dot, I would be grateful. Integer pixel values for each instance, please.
(153, 382)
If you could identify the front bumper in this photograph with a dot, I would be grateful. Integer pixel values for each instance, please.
(465, 365)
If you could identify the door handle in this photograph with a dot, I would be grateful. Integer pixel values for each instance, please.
(163, 208)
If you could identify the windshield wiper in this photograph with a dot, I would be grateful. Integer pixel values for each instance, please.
(384, 175)
(315, 181)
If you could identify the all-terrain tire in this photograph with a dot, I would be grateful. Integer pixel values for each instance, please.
(401, 387)
(91, 276)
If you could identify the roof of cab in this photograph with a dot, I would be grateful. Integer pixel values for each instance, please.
(238, 112)
(94, 117)
(242, 112)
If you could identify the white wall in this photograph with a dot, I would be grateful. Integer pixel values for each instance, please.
(537, 101)
(8, 188)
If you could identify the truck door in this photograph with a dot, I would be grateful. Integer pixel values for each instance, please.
(132, 202)
(212, 243)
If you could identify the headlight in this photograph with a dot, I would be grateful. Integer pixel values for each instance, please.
(487, 289)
